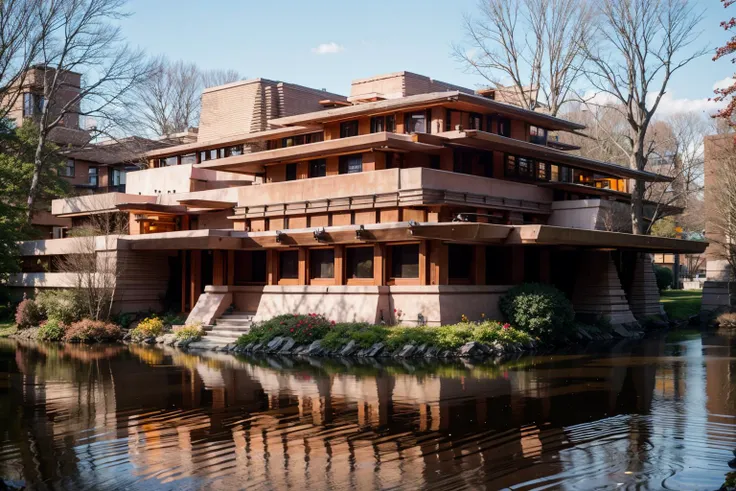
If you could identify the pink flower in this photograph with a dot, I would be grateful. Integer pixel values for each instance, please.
(507, 326)
(332, 322)
(394, 311)
(292, 329)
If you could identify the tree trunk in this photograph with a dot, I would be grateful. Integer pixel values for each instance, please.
(35, 181)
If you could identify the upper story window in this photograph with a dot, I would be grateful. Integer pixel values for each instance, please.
(118, 177)
(190, 158)
(404, 261)
(68, 169)
(504, 127)
(92, 177)
(168, 161)
(417, 122)
(291, 172)
(234, 151)
(322, 263)
(32, 104)
(537, 135)
(351, 164)
(291, 141)
(318, 168)
(475, 121)
(383, 123)
(348, 128)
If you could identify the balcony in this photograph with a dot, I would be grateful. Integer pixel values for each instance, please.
(389, 188)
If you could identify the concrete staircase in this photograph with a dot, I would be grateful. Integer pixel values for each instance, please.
(226, 330)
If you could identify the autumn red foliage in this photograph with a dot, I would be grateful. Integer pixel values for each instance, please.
(727, 93)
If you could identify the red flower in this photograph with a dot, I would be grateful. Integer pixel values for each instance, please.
(292, 329)
(332, 322)
(394, 311)
(507, 326)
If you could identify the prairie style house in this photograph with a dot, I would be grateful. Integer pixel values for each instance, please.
(411, 200)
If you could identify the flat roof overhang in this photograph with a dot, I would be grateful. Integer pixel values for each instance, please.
(492, 141)
(207, 204)
(459, 232)
(143, 208)
(458, 100)
(233, 140)
(572, 187)
(254, 163)
(564, 236)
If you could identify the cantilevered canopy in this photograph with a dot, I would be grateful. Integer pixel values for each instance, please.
(452, 99)
(549, 235)
(152, 208)
(462, 232)
(253, 163)
(233, 140)
(491, 141)
(207, 203)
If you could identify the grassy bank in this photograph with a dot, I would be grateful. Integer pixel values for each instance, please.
(7, 328)
(681, 304)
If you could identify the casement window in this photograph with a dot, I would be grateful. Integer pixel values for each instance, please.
(404, 261)
(417, 122)
(92, 176)
(378, 124)
(169, 161)
(394, 160)
(314, 137)
(475, 121)
(459, 261)
(359, 262)
(504, 127)
(32, 104)
(348, 129)
(390, 123)
(351, 164)
(291, 172)
(249, 267)
(68, 169)
(542, 171)
(434, 162)
(318, 168)
(289, 265)
(234, 151)
(189, 158)
(463, 162)
(520, 167)
(322, 263)
(117, 177)
(537, 135)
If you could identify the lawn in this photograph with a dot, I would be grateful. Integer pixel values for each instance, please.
(681, 304)
(7, 328)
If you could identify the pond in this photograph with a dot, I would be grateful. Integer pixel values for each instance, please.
(647, 414)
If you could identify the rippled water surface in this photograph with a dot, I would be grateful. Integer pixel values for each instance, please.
(651, 414)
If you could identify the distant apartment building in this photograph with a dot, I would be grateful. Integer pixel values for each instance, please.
(409, 196)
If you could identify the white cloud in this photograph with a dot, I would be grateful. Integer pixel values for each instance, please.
(722, 84)
(668, 105)
(328, 48)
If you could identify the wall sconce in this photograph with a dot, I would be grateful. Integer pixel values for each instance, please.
(279, 236)
(320, 235)
(360, 233)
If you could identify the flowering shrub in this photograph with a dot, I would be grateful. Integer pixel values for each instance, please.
(27, 314)
(147, 328)
(189, 333)
(88, 331)
(302, 328)
(727, 319)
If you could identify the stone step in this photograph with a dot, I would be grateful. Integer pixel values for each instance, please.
(207, 343)
(238, 315)
(220, 339)
(225, 333)
(232, 322)
(239, 327)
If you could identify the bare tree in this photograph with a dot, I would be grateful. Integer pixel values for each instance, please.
(637, 47)
(95, 264)
(532, 45)
(81, 37)
(19, 44)
(169, 101)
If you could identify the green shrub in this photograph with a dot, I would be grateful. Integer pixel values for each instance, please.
(188, 333)
(364, 335)
(172, 319)
(664, 276)
(537, 309)
(88, 331)
(123, 319)
(27, 314)
(63, 305)
(52, 330)
(147, 328)
(302, 328)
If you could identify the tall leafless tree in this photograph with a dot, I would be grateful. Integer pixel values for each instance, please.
(19, 44)
(82, 37)
(638, 45)
(169, 101)
(529, 49)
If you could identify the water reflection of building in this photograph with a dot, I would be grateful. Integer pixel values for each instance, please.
(178, 418)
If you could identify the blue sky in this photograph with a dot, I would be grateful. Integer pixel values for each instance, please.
(278, 40)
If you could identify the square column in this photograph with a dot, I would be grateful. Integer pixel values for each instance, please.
(598, 290)
(644, 294)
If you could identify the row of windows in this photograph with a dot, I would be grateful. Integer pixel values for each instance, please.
(250, 266)
(204, 155)
(117, 176)
(32, 104)
(526, 168)
(347, 164)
